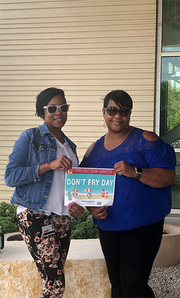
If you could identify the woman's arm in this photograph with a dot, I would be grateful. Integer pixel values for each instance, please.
(19, 173)
(158, 177)
(62, 163)
(154, 177)
(90, 148)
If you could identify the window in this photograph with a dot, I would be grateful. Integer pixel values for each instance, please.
(170, 114)
(170, 97)
(169, 78)
(171, 26)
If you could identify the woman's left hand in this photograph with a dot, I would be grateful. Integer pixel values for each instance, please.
(123, 168)
(75, 209)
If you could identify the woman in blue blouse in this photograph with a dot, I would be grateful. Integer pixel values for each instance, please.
(130, 231)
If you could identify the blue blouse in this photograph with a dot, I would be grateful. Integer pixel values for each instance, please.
(135, 204)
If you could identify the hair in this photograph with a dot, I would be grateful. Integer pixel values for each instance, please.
(120, 97)
(44, 97)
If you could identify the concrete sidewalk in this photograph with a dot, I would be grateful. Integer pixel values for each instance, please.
(173, 219)
(79, 249)
(85, 269)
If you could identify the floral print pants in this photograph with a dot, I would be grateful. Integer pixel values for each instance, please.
(49, 253)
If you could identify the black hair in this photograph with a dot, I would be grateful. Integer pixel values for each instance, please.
(120, 97)
(44, 97)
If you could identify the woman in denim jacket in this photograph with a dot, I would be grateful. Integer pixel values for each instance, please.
(36, 169)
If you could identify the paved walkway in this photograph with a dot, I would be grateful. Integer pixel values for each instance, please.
(17, 250)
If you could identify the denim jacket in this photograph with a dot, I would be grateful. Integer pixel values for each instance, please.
(35, 146)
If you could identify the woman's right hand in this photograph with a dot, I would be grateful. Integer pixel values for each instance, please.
(98, 212)
(62, 163)
(75, 209)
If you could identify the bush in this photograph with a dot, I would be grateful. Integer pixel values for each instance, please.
(8, 220)
(84, 227)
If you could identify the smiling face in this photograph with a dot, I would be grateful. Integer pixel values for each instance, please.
(116, 123)
(58, 119)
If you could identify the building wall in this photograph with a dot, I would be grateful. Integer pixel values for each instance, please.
(87, 48)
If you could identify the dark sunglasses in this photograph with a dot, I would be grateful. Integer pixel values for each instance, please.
(53, 109)
(123, 111)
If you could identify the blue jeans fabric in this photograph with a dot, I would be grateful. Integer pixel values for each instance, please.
(34, 147)
(129, 257)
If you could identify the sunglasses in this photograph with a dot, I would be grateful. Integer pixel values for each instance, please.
(123, 112)
(53, 109)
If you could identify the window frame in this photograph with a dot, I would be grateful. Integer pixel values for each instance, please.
(159, 56)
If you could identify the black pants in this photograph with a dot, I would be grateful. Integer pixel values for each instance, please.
(129, 257)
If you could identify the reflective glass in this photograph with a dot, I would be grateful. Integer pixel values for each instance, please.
(171, 26)
(176, 186)
(170, 115)
(170, 100)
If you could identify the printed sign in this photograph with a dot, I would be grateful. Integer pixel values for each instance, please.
(90, 186)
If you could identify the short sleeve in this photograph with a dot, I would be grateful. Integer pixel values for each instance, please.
(84, 163)
(161, 155)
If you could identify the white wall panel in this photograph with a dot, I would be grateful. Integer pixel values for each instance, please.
(85, 47)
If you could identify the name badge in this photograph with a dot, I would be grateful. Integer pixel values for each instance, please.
(48, 230)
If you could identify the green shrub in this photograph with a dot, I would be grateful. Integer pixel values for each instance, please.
(7, 225)
(8, 220)
(84, 227)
